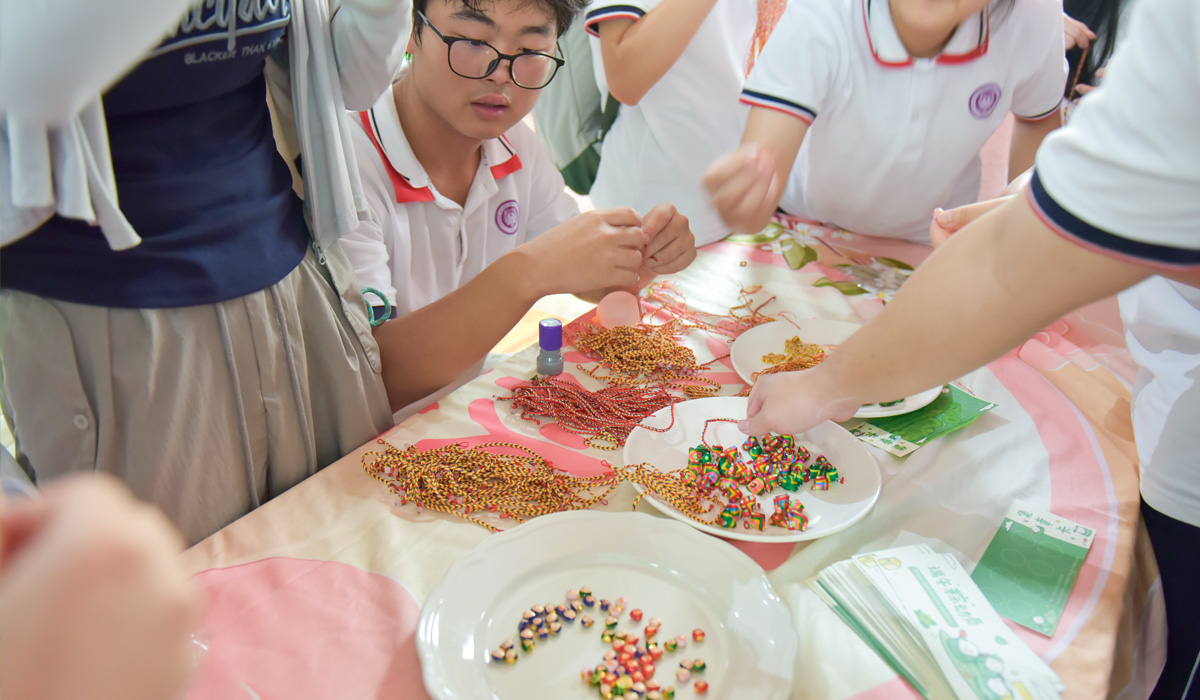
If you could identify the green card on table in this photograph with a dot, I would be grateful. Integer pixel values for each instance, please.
(1030, 567)
(903, 434)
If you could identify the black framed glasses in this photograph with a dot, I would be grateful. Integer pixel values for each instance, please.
(471, 58)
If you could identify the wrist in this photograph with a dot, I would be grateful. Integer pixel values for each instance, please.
(838, 396)
(523, 274)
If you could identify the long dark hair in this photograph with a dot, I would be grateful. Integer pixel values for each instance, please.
(1102, 17)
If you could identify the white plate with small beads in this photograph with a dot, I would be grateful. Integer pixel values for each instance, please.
(662, 568)
(836, 509)
(747, 351)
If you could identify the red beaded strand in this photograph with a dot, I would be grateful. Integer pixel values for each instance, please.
(604, 416)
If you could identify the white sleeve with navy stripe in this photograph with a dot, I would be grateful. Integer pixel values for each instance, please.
(601, 10)
(1124, 176)
(1039, 94)
(797, 68)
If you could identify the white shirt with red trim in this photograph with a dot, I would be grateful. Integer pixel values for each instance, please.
(1123, 179)
(658, 149)
(417, 245)
(893, 137)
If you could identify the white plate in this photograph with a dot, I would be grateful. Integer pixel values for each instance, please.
(906, 405)
(828, 511)
(669, 571)
(748, 349)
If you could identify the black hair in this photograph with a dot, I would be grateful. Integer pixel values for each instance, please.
(563, 11)
(1102, 17)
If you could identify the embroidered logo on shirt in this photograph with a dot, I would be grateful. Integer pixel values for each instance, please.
(508, 215)
(984, 100)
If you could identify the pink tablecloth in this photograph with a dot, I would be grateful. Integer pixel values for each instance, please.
(316, 594)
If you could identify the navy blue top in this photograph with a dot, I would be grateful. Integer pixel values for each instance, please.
(197, 175)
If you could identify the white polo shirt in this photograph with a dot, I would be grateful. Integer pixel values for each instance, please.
(417, 245)
(1123, 179)
(658, 149)
(893, 137)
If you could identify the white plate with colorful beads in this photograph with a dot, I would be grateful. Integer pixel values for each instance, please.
(847, 499)
(665, 571)
(747, 352)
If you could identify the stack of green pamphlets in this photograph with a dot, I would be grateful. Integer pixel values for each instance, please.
(922, 613)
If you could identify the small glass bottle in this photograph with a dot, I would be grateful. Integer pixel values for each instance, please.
(550, 359)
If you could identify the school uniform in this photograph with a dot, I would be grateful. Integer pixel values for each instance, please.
(657, 150)
(417, 245)
(204, 341)
(892, 137)
(1123, 180)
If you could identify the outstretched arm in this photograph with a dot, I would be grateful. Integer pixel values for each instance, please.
(745, 186)
(991, 286)
(637, 53)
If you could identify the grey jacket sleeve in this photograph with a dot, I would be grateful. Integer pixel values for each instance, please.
(57, 55)
(369, 39)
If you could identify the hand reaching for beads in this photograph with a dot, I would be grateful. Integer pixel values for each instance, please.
(93, 601)
(588, 253)
(792, 402)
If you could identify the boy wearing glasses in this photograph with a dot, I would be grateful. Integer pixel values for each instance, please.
(470, 222)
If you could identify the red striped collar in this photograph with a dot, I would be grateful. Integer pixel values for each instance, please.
(405, 191)
(969, 42)
(505, 158)
(382, 125)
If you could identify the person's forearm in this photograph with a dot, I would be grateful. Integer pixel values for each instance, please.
(749, 210)
(637, 54)
(1026, 139)
(430, 347)
(990, 287)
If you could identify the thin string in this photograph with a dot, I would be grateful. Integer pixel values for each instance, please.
(731, 325)
(1078, 72)
(604, 417)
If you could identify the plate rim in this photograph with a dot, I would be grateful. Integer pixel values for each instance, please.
(733, 534)
(426, 650)
(920, 400)
(923, 401)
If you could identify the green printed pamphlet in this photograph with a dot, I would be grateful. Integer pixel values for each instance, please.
(903, 434)
(1030, 567)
